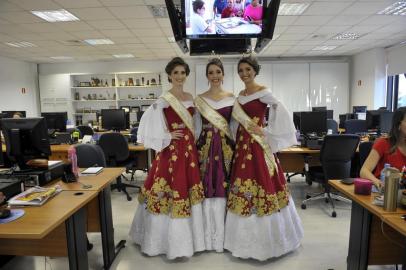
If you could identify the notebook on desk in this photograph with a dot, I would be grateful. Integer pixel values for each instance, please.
(92, 170)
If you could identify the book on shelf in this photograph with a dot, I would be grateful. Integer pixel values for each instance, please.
(35, 196)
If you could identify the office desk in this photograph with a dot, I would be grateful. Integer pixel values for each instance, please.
(99, 213)
(367, 244)
(292, 159)
(57, 228)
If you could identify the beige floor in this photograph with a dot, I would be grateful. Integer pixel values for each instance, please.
(324, 245)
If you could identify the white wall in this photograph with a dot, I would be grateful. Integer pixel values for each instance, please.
(15, 75)
(396, 60)
(368, 79)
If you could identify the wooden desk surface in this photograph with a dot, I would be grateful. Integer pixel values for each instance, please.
(396, 222)
(38, 221)
(299, 150)
(364, 200)
(98, 182)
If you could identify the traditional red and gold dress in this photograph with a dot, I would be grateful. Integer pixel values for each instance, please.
(215, 146)
(262, 221)
(169, 217)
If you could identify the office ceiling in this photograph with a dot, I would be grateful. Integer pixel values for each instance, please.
(133, 29)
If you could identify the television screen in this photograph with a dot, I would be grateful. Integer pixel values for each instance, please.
(223, 18)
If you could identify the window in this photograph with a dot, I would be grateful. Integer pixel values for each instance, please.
(401, 91)
(396, 95)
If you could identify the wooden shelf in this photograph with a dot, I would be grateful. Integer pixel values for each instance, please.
(93, 87)
(138, 99)
(141, 86)
(95, 100)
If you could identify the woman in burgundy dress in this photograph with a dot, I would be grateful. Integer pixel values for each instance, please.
(262, 221)
(169, 217)
(215, 147)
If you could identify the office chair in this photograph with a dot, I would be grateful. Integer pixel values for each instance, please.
(332, 124)
(354, 126)
(115, 148)
(335, 158)
(85, 130)
(364, 149)
(90, 155)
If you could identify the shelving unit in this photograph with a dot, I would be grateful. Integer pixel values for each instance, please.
(91, 93)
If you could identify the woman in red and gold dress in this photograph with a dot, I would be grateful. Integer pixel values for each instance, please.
(262, 221)
(169, 217)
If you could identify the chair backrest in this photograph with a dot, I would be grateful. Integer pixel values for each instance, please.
(364, 149)
(336, 154)
(115, 147)
(353, 126)
(332, 124)
(90, 155)
(85, 130)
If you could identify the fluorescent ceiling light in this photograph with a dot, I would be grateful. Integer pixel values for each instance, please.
(60, 15)
(21, 44)
(397, 8)
(347, 36)
(290, 9)
(100, 41)
(324, 48)
(128, 55)
(61, 57)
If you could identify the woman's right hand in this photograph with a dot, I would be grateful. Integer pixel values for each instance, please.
(177, 134)
(378, 184)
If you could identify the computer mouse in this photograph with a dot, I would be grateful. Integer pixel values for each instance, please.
(5, 213)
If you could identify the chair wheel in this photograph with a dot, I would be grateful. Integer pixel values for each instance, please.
(303, 206)
(334, 214)
(309, 183)
(308, 196)
(129, 198)
(326, 200)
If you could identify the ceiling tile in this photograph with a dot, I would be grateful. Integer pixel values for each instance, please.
(148, 32)
(331, 30)
(87, 14)
(28, 36)
(312, 20)
(20, 17)
(326, 8)
(358, 29)
(60, 35)
(117, 3)
(106, 24)
(36, 4)
(160, 46)
(125, 40)
(285, 20)
(366, 8)
(378, 20)
(135, 12)
(164, 22)
(78, 3)
(153, 39)
(292, 36)
(301, 29)
(346, 20)
(6, 6)
(74, 26)
(87, 34)
(40, 27)
(117, 33)
(140, 23)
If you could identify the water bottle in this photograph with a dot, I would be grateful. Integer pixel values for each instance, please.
(74, 161)
(390, 199)
(382, 176)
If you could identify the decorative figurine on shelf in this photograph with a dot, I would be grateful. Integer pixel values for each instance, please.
(89, 97)
(77, 96)
(159, 79)
(130, 82)
(153, 81)
(101, 83)
(113, 82)
(147, 82)
(142, 79)
(137, 82)
(114, 96)
(107, 84)
(94, 97)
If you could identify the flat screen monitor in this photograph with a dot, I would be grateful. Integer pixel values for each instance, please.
(296, 119)
(385, 122)
(10, 114)
(359, 109)
(313, 122)
(330, 114)
(226, 19)
(319, 109)
(113, 119)
(56, 120)
(26, 139)
(373, 117)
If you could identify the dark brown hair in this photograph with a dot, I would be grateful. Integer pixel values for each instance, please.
(216, 62)
(394, 133)
(177, 61)
(198, 4)
(250, 61)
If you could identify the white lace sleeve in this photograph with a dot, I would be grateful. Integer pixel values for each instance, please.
(198, 123)
(280, 132)
(234, 127)
(153, 131)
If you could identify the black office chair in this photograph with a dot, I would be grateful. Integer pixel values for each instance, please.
(355, 126)
(85, 130)
(335, 158)
(332, 124)
(90, 155)
(364, 149)
(115, 148)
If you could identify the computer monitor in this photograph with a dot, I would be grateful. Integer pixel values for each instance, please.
(26, 139)
(56, 120)
(319, 109)
(359, 109)
(330, 114)
(373, 117)
(10, 114)
(296, 120)
(385, 122)
(313, 122)
(113, 119)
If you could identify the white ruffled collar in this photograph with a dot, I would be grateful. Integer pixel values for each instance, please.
(245, 99)
(225, 102)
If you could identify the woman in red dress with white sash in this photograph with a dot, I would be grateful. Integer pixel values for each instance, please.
(262, 221)
(169, 217)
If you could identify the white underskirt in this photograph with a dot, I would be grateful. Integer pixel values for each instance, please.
(214, 217)
(174, 237)
(262, 238)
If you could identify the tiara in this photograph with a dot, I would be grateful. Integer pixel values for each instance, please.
(213, 55)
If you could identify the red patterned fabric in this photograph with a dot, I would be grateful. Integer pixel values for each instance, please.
(395, 159)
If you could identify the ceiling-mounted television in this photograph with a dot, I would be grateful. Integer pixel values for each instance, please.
(204, 19)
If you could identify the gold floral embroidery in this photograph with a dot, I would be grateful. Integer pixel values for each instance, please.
(190, 148)
(171, 147)
(192, 164)
(186, 137)
(186, 154)
(161, 199)
(245, 147)
(174, 157)
(174, 125)
(243, 166)
(249, 156)
(241, 138)
(255, 119)
(209, 134)
(247, 197)
(216, 157)
(170, 170)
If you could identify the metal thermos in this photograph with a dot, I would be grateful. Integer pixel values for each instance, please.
(392, 178)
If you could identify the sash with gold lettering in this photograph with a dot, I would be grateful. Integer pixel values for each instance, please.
(245, 121)
(180, 110)
(216, 119)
